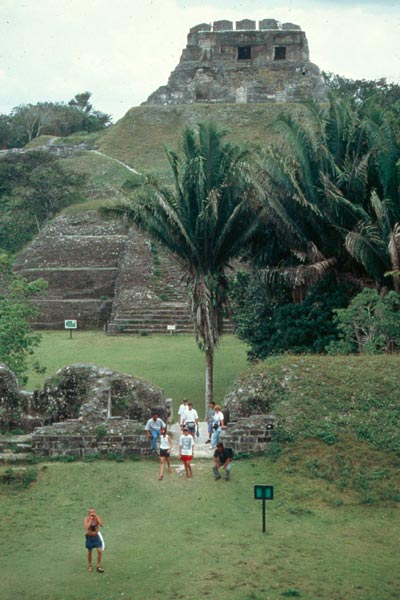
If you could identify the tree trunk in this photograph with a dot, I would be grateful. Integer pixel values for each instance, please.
(209, 378)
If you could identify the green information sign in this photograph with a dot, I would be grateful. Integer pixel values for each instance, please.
(263, 492)
(70, 324)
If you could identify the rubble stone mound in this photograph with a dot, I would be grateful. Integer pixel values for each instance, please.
(91, 393)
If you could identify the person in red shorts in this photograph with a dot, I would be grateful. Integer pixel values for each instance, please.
(186, 450)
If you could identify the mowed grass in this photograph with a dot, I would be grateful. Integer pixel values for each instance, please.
(193, 539)
(174, 363)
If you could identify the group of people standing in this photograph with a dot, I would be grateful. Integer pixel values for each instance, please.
(189, 424)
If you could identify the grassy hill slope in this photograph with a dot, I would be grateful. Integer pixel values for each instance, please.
(138, 138)
(337, 419)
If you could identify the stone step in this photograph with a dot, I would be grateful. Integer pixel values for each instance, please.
(124, 327)
(10, 457)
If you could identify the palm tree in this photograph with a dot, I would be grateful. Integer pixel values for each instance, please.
(317, 184)
(374, 240)
(204, 220)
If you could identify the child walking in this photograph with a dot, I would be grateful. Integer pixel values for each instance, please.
(186, 450)
(165, 451)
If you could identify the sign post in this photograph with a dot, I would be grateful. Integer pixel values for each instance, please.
(263, 492)
(70, 324)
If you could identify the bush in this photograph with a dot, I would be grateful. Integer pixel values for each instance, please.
(370, 324)
(277, 325)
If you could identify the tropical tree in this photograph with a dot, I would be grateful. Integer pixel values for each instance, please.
(34, 187)
(375, 240)
(333, 190)
(17, 340)
(370, 324)
(204, 220)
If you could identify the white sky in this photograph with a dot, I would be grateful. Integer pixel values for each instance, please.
(122, 50)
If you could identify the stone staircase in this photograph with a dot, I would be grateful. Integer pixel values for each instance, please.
(154, 318)
(16, 448)
(106, 277)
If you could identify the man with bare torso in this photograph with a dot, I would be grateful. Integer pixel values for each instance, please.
(93, 539)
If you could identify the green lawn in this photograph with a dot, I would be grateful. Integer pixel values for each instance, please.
(193, 539)
(196, 539)
(172, 362)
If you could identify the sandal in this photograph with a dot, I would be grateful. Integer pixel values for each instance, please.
(161, 477)
(99, 569)
(90, 568)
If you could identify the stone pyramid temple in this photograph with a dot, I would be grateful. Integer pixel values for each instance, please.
(243, 64)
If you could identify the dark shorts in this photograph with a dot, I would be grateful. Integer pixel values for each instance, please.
(191, 426)
(164, 453)
(93, 541)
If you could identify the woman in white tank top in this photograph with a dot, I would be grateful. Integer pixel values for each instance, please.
(165, 450)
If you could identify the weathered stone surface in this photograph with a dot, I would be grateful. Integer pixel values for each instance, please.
(92, 393)
(100, 411)
(252, 394)
(249, 434)
(79, 438)
(12, 401)
(270, 64)
(104, 276)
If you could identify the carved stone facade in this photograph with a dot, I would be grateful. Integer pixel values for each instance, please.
(241, 65)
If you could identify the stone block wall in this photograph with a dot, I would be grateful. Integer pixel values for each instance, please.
(249, 434)
(99, 438)
(245, 64)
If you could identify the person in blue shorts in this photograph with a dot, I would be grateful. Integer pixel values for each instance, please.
(153, 430)
(94, 539)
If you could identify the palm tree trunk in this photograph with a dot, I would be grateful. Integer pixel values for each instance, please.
(209, 377)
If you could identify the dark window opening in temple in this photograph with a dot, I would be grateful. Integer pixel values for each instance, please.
(244, 53)
(280, 53)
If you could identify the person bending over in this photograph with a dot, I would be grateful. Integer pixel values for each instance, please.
(222, 460)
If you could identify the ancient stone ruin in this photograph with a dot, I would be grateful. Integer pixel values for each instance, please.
(12, 401)
(249, 434)
(97, 411)
(243, 64)
(105, 276)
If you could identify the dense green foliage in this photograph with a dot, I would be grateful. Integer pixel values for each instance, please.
(28, 121)
(370, 324)
(17, 340)
(364, 91)
(332, 192)
(34, 187)
(274, 324)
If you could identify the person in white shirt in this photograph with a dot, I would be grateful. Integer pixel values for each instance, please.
(165, 451)
(218, 424)
(186, 450)
(191, 420)
(181, 412)
(153, 428)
